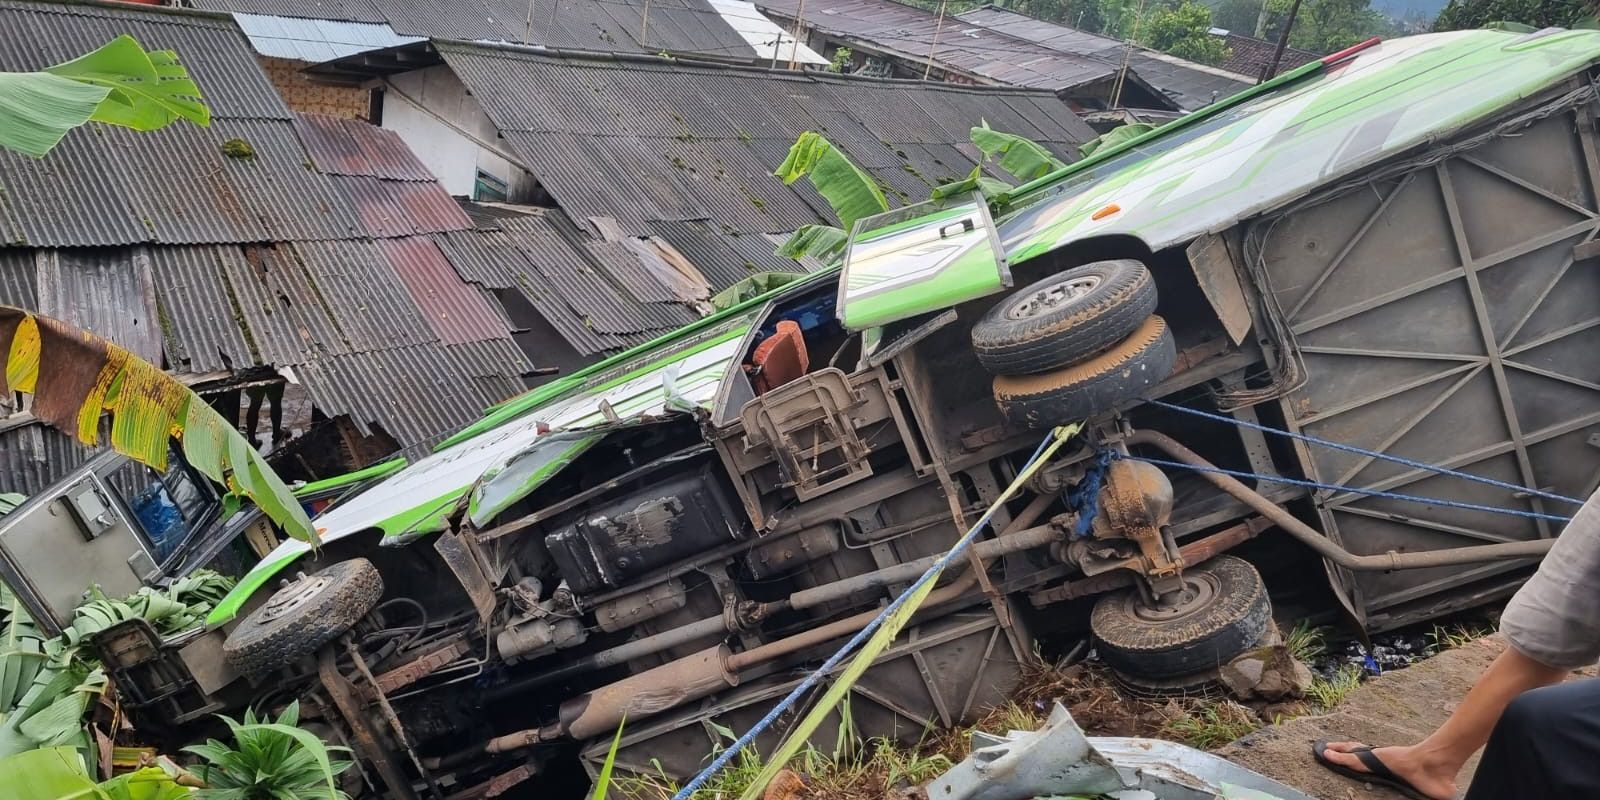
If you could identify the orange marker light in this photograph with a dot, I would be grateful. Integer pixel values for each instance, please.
(1106, 212)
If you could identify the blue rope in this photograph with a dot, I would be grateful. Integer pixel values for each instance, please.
(1370, 453)
(1432, 501)
(856, 641)
(1083, 499)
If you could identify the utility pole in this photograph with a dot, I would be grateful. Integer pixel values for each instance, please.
(1283, 41)
(938, 28)
(799, 20)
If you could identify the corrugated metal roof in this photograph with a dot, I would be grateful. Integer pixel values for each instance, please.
(596, 294)
(104, 291)
(456, 312)
(644, 140)
(912, 33)
(607, 26)
(210, 262)
(316, 40)
(17, 278)
(1250, 56)
(199, 320)
(365, 296)
(1190, 84)
(215, 52)
(32, 458)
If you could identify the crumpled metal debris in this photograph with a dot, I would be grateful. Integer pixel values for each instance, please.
(1058, 759)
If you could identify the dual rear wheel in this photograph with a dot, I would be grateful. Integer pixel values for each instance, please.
(1075, 344)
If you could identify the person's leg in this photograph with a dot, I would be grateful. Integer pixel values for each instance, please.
(1431, 764)
(1546, 744)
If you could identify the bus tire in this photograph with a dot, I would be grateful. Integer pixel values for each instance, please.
(303, 616)
(1065, 319)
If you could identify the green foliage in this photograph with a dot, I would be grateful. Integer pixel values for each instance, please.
(992, 188)
(841, 59)
(1212, 727)
(822, 242)
(1238, 16)
(1463, 14)
(1325, 26)
(1024, 158)
(1115, 137)
(59, 773)
(46, 685)
(602, 783)
(120, 84)
(849, 190)
(1182, 28)
(1304, 642)
(271, 760)
(1329, 692)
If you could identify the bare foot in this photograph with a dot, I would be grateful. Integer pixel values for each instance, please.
(1432, 778)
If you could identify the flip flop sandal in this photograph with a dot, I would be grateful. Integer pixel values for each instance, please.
(1378, 772)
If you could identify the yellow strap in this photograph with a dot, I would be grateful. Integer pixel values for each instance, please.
(883, 637)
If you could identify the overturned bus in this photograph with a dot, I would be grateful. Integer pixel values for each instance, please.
(1391, 249)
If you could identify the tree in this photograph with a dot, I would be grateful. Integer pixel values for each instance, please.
(118, 84)
(1326, 26)
(1182, 28)
(1462, 14)
(1237, 16)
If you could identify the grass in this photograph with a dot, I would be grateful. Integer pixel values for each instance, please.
(1212, 726)
(1305, 643)
(1458, 634)
(1327, 693)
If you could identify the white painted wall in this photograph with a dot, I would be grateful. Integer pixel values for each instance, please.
(417, 105)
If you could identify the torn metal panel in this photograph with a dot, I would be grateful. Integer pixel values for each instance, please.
(266, 321)
(1218, 275)
(1058, 759)
(300, 297)
(198, 319)
(106, 292)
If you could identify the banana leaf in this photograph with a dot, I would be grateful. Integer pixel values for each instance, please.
(87, 376)
(851, 192)
(120, 84)
(822, 242)
(57, 773)
(1020, 156)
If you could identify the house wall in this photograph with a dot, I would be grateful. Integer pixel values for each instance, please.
(445, 126)
(306, 97)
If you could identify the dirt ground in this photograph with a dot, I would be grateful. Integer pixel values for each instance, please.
(1400, 706)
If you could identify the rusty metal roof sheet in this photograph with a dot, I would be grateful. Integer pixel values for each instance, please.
(33, 457)
(455, 311)
(642, 140)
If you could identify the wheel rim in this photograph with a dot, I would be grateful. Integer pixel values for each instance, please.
(1054, 296)
(1200, 590)
(292, 597)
